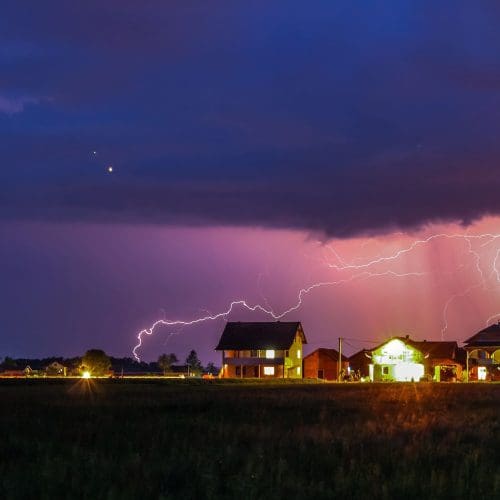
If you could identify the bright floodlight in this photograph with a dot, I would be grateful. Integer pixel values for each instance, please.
(86, 375)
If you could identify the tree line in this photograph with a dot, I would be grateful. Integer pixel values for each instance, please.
(97, 363)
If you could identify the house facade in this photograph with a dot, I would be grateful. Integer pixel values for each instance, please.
(324, 364)
(483, 354)
(262, 350)
(401, 359)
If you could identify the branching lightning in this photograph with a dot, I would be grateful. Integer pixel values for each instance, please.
(360, 270)
(258, 307)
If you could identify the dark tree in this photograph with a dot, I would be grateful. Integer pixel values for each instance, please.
(9, 363)
(212, 369)
(194, 363)
(96, 362)
(165, 361)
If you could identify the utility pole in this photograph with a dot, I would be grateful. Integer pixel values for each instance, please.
(339, 361)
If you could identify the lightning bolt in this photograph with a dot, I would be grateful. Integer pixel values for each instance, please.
(258, 307)
(466, 237)
(410, 248)
(361, 271)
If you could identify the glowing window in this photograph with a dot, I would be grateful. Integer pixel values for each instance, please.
(481, 372)
(269, 370)
(299, 353)
(298, 370)
(270, 354)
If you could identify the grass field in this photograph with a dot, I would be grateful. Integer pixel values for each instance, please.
(157, 439)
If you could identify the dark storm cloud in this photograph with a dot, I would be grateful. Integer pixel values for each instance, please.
(335, 118)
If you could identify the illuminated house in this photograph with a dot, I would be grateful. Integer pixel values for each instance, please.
(401, 359)
(483, 354)
(262, 350)
(323, 364)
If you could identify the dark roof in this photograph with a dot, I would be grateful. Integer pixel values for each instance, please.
(430, 348)
(436, 349)
(331, 353)
(360, 354)
(265, 335)
(489, 336)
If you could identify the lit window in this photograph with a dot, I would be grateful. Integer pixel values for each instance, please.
(481, 372)
(269, 370)
(299, 353)
(298, 369)
(270, 354)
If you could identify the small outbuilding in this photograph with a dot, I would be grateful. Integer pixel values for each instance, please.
(324, 364)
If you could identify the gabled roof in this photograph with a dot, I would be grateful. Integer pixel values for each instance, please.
(436, 349)
(361, 354)
(55, 364)
(264, 335)
(331, 353)
(489, 336)
(429, 348)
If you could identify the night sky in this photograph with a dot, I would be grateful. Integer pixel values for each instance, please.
(257, 148)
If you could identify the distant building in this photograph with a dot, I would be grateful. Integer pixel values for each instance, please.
(55, 369)
(483, 354)
(27, 372)
(262, 350)
(324, 364)
(401, 359)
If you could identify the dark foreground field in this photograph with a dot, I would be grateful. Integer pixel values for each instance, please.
(134, 439)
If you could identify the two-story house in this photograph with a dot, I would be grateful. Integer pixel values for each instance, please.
(483, 354)
(262, 350)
